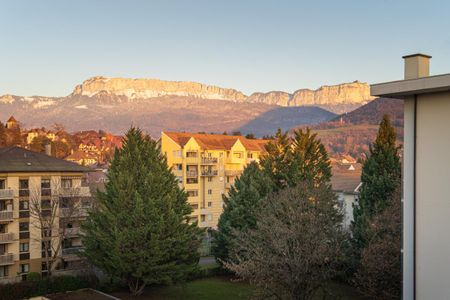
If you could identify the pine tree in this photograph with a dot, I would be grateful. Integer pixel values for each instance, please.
(291, 161)
(240, 207)
(381, 177)
(139, 231)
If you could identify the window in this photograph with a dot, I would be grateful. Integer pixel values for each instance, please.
(249, 155)
(191, 180)
(209, 192)
(209, 204)
(24, 268)
(23, 184)
(191, 154)
(202, 218)
(192, 193)
(24, 226)
(178, 167)
(24, 247)
(238, 155)
(2, 184)
(210, 179)
(45, 183)
(194, 206)
(3, 271)
(23, 205)
(64, 202)
(66, 182)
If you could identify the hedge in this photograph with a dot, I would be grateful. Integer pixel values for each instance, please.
(44, 286)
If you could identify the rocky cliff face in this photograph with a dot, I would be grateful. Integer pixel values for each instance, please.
(342, 94)
(151, 88)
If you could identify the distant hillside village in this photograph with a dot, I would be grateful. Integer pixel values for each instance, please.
(89, 148)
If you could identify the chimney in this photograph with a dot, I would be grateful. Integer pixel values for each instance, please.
(48, 149)
(417, 65)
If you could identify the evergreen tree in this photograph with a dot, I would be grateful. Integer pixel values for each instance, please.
(381, 177)
(310, 159)
(277, 160)
(291, 161)
(3, 141)
(240, 207)
(139, 231)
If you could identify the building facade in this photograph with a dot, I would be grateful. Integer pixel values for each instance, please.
(42, 202)
(206, 165)
(426, 177)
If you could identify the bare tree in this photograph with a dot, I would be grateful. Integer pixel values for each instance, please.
(295, 248)
(52, 209)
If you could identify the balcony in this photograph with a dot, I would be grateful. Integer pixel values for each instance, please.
(75, 231)
(191, 158)
(6, 194)
(74, 212)
(209, 160)
(233, 172)
(82, 191)
(209, 173)
(191, 174)
(72, 251)
(6, 237)
(6, 215)
(6, 259)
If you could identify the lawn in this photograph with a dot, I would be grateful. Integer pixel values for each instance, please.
(216, 288)
(222, 287)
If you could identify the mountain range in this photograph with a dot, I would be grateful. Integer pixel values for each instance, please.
(115, 104)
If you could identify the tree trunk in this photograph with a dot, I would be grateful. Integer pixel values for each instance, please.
(136, 286)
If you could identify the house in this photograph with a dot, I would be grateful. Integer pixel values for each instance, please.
(27, 178)
(426, 177)
(207, 165)
(346, 182)
(12, 123)
(84, 158)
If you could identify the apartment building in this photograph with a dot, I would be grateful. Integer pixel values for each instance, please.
(42, 202)
(207, 165)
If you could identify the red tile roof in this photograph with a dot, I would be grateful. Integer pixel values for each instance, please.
(216, 141)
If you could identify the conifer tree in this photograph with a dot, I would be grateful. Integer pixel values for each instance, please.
(2, 135)
(240, 208)
(289, 161)
(381, 177)
(139, 231)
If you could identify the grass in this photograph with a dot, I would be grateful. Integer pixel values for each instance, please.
(223, 287)
(216, 288)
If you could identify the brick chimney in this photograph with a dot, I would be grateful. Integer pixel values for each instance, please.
(417, 65)
(48, 149)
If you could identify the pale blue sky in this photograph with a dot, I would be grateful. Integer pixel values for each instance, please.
(47, 47)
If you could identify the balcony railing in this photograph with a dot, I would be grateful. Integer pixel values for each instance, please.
(6, 237)
(74, 212)
(6, 259)
(209, 173)
(209, 160)
(82, 191)
(72, 250)
(6, 215)
(191, 174)
(233, 172)
(6, 194)
(72, 231)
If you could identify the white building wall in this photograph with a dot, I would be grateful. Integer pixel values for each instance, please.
(433, 196)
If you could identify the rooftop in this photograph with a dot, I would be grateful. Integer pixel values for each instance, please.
(16, 159)
(216, 141)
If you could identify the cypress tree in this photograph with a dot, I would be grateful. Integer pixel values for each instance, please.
(381, 177)
(2, 135)
(139, 230)
(240, 208)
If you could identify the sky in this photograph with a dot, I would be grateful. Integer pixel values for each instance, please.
(47, 47)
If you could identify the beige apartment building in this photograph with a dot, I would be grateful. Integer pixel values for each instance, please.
(207, 165)
(426, 178)
(35, 189)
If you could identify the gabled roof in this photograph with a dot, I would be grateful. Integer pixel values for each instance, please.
(11, 119)
(16, 159)
(216, 141)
